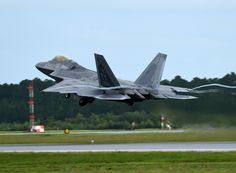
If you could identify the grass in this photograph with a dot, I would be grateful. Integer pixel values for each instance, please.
(153, 162)
(161, 162)
(187, 136)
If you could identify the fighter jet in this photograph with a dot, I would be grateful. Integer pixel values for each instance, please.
(87, 85)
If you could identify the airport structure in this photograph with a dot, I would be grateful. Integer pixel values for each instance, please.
(32, 126)
(31, 105)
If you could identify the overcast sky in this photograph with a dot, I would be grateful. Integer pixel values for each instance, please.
(199, 36)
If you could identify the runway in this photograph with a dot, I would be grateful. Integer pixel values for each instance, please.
(140, 147)
(61, 132)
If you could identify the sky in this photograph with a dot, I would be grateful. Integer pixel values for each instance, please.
(199, 36)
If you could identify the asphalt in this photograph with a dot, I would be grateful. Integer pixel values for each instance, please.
(140, 147)
(94, 132)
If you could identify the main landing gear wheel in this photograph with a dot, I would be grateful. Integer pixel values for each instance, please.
(67, 96)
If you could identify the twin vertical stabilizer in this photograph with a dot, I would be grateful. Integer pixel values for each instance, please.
(151, 76)
(106, 77)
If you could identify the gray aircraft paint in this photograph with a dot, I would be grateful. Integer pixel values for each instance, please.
(151, 76)
(89, 85)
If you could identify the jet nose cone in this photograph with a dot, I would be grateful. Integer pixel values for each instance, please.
(43, 67)
(40, 65)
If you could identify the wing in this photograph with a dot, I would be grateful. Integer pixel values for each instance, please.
(73, 86)
(82, 89)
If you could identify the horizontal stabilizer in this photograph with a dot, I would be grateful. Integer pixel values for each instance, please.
(158, 96)
(106, 77)
(180, 90)
(180, 97)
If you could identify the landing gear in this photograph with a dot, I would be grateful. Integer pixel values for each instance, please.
(85, 100)
(82, 102)
(67, 96)
(130, 102)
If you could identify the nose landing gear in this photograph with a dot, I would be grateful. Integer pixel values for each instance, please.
(67, 96)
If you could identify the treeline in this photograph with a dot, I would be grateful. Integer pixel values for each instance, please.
(56, 112)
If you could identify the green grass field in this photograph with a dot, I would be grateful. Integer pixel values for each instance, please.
(153, 162)
(125, 162)
(187, 136)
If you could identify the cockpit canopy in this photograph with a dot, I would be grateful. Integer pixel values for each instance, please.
(60, 58)
(58, 63)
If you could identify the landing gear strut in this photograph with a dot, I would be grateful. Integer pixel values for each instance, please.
(130, 102)
(85, 100)
(67, 96)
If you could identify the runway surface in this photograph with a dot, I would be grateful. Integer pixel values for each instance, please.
(94, 132)
(141, 147)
